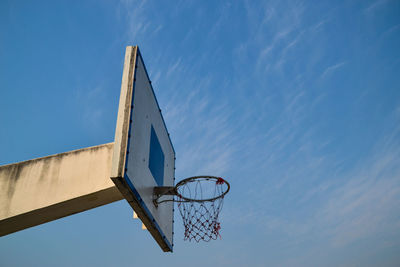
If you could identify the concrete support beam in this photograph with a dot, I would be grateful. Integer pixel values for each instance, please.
(45, 189)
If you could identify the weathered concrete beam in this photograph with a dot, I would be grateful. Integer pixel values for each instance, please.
(45, 189)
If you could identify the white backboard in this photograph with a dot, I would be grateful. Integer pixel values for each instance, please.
(143, 153)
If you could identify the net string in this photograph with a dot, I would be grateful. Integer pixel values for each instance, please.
(200, 219)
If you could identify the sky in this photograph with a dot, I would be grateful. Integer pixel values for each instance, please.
(295, 103)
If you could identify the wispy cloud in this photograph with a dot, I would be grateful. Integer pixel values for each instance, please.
(204, 135)
(281, 40)
(138, 23)
(360, 204)
(331, 69)
(288, 178)
(367, 204)
(173, 68)
(91, 100)
(391, 30)
(374, 6)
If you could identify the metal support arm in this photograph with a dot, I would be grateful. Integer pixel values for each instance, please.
(160, 191)
(164, 190)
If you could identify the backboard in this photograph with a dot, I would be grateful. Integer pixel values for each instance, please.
(143, 153)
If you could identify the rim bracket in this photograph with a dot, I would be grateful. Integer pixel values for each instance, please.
(160, 191)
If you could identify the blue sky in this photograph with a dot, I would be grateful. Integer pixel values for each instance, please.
(296, 103)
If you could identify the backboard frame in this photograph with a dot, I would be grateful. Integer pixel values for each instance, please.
(151, 216)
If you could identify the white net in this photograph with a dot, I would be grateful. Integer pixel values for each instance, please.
(200, 201)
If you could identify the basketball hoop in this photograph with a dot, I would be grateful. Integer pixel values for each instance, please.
(200, 200)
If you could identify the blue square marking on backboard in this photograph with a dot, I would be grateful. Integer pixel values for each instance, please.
(156, 159)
